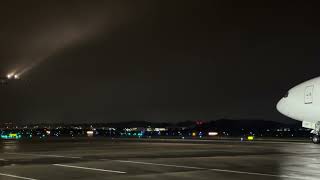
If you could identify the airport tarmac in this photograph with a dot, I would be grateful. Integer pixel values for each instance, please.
(97, 158)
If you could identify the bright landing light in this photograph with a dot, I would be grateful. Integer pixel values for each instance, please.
(9, 76)
(16, 76)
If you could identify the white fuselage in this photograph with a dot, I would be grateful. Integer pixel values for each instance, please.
(303, 103)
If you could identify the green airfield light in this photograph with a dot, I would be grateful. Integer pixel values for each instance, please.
(11, 136)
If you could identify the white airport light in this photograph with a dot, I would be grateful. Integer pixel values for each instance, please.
(212, 133)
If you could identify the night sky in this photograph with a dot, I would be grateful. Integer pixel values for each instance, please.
(168, 61)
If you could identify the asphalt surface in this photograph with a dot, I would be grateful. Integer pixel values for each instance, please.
(91, 158)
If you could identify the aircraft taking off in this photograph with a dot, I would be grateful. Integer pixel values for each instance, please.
(302, 103)
(5, 80)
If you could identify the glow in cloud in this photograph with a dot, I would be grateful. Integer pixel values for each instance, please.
(57, 32)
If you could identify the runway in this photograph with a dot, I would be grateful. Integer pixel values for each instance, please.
(97, 158)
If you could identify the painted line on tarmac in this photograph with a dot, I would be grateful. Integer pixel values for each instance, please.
(156, 164)
(278, 142)
(87, 168)
(44, 155)
(216, 170)
(259, 174)
(17, 177)
(269, 141)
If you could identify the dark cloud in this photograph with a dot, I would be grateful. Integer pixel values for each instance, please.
(154, 60)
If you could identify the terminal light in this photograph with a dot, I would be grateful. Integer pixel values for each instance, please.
(250, 138)
(212, 133)
(90, 133)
